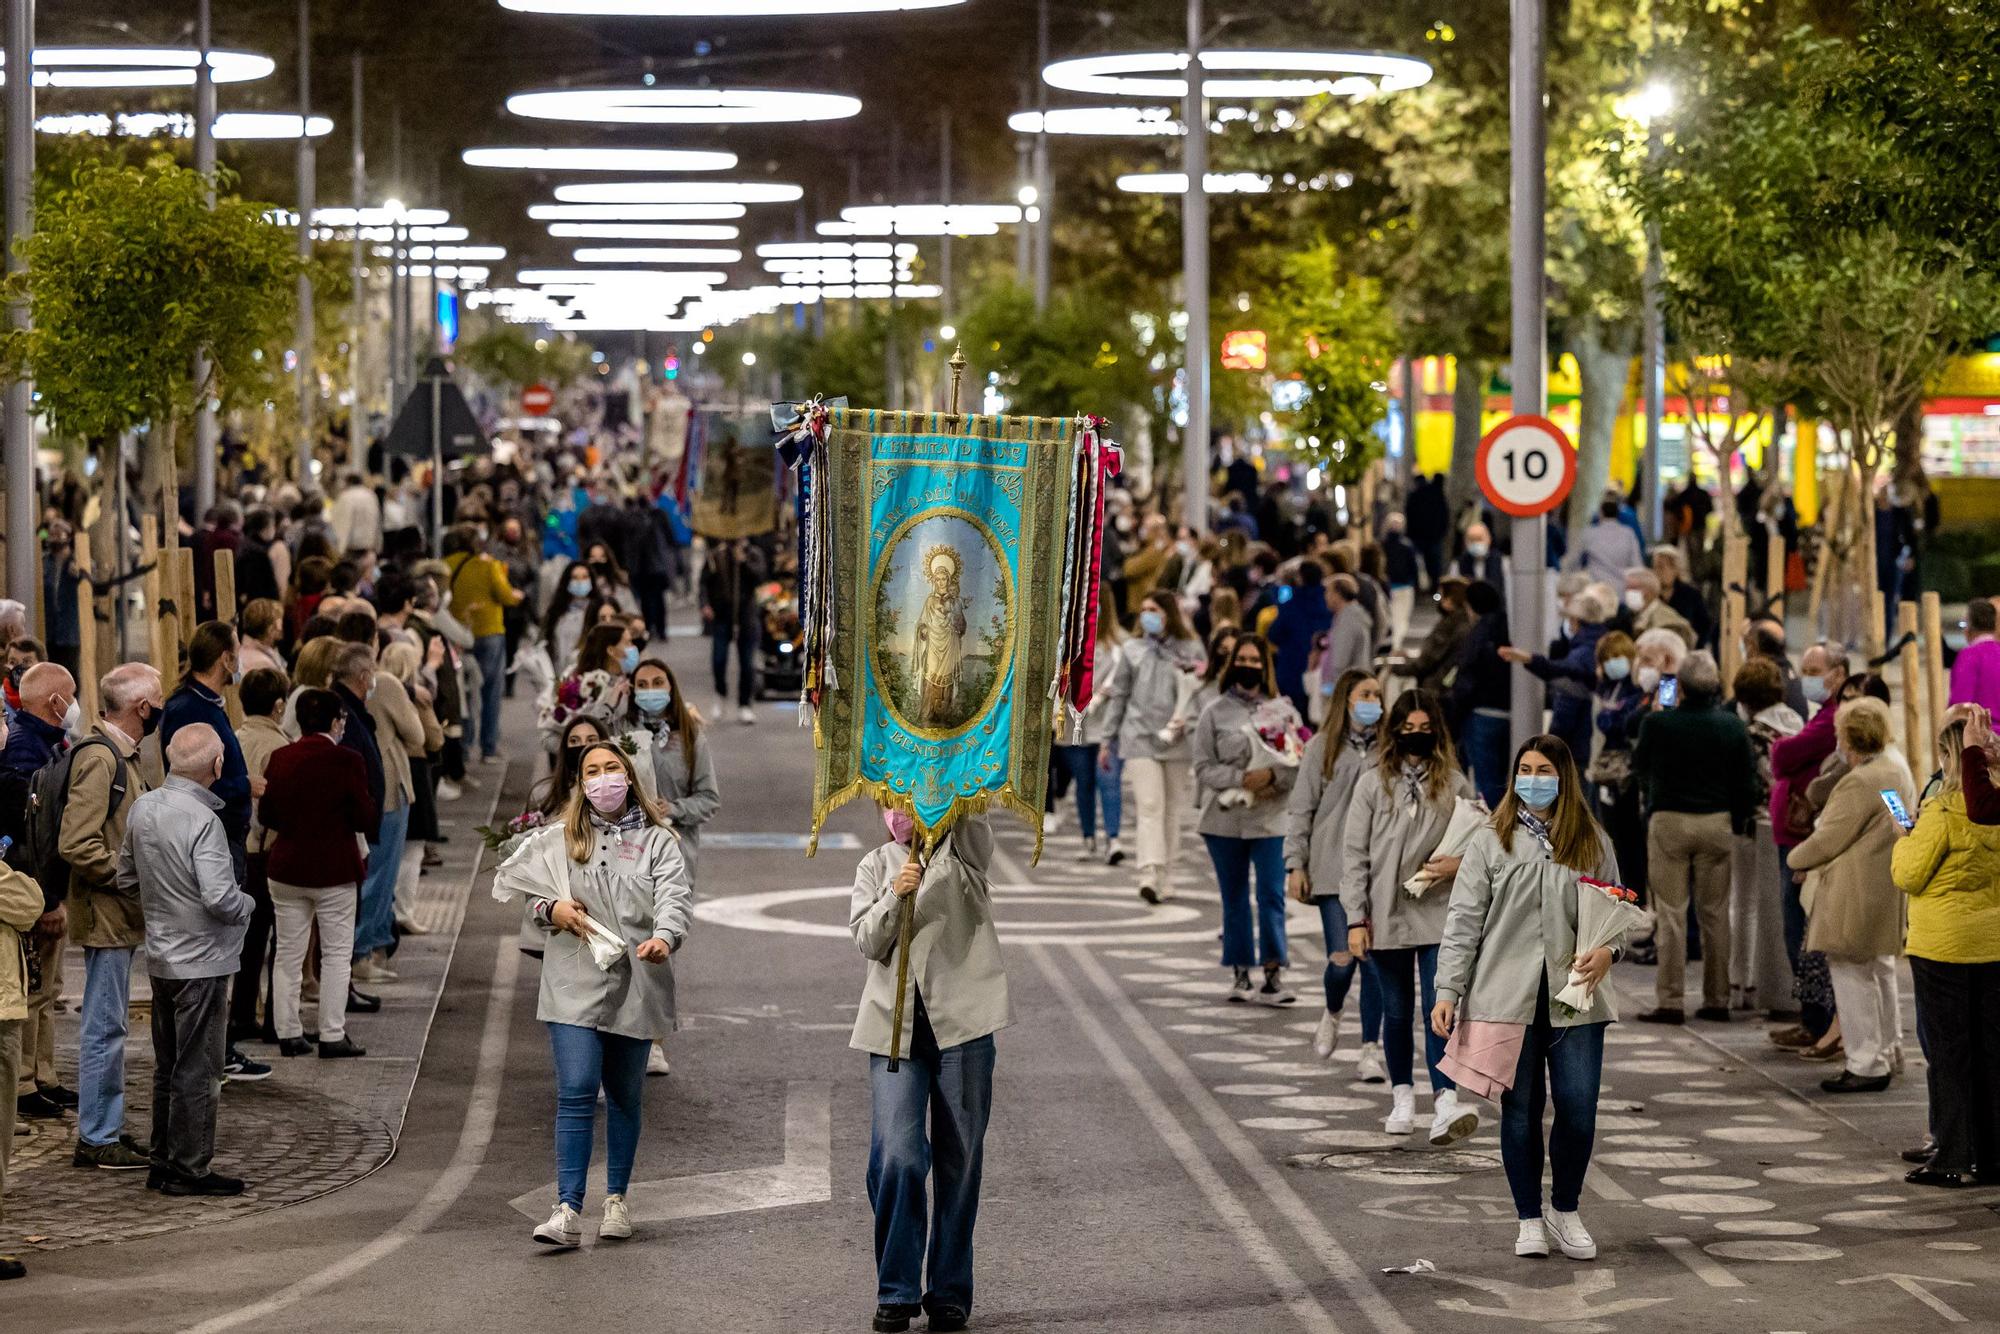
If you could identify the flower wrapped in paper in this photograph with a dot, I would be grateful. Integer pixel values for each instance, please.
(1277, 741)
(1468, 817)
(1605, 915)
(539, 860)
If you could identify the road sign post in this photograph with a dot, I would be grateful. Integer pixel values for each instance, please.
(538, 400)
(1526, 468)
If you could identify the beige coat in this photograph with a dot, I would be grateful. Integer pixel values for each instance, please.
(398, 730)
(100, 915)
(1854, 910)
(20, 909)
(260, 738)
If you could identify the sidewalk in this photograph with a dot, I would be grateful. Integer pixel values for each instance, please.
(312, 1127)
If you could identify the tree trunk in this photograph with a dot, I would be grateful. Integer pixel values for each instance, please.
(1468, 401)
(1909, 436)
(1604, 355)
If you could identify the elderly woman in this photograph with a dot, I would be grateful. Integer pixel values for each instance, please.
(1854, 912)
(1571, 676)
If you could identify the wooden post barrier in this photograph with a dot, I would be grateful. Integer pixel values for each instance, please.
(184, 579)
(1735, 573)
(162, 633)
(1917, 736)
(87, 668)
(1774, 572)
(1831, 516)
(225, 585)
(1932, 635)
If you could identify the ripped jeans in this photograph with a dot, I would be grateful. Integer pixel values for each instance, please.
(1340, 976)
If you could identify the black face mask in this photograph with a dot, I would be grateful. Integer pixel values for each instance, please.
(1417, 745)
(1249, 679)
(151, 724)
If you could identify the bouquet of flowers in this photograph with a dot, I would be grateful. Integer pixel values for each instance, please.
(1466, 818)
(1277, 741)
(539, 860)
(1605, 914)
(505, 838)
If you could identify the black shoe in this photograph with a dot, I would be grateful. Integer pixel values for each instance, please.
(240, 1069)
(1921, 1154)
(329, 1051)
(57, 1094)
(945, 1318)
(37, 1106)
(1849, 1082)
(11, 1268)
(360, 1002)
(138, 1146)
(156, 1178)
(1782, 1016)
(208, 1183)
(1933, 1176)
(294, 1047)
(1659, 1016)
(1149, 894)
(113, 1157)
(1713, 1014)
(893, 1317)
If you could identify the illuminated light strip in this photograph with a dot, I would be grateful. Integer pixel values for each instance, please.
(644, 231)
(633, 212)
(1214, 183)
(683, 106)
(719, 9)
(600, 159)
(1338, 73)
(681, 192)
(1120, 122)
(692, 278)
(180, 125)
(619, 254)
(140, 66)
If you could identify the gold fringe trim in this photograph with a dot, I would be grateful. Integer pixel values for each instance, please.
(1006, 798)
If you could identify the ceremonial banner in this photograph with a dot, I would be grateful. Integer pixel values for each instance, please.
(731, 476)
(945, 549)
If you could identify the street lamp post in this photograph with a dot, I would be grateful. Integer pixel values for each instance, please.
(1653, 366)
(1194, 264)
(305, 334)
(357, 446)
(1044, 184)
(1528, 148)
(24, 566)
(205, 435)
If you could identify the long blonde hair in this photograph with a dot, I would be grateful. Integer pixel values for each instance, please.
(577, 834)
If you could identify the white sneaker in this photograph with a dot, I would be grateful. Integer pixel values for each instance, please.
(372, 969)
(410, 926)
(1327, 1036)
(448, 790)
(1402, 1110)
(1240, 987)
(1088, 851)
(747, 716)
(1051, 822)
(1370, 1069)
(1567, 1232)
(1450, 1122)
(656, 1061)
(617, 1222)
(1533, 1238)
(1113, 854)
(564, 1228)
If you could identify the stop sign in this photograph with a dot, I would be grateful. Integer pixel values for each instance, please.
(537, 399)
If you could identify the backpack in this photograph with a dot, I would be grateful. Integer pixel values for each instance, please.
(48, 798)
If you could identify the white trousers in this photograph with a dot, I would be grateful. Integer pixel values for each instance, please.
(1163, 791)
(1402, 601)
(1871, 1020)
(294, 909)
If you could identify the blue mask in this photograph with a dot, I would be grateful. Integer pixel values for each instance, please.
(1617, 669)
(1367, 712)
(653, 703)
(1153, 622)
(1537, 791)
(579, 588)
(1814, 688)
(628, 661)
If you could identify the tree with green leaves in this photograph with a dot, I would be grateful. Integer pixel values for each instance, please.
(1335, 334)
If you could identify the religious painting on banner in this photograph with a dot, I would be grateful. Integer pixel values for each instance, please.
(731, 477)
(949, 561)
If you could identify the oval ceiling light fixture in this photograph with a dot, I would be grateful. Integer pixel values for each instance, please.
(1176, 183)
(922, 220)
(683, 106)
(140, 66)
(657, 254)
(683, 279)
(634, 212)
(718, 9)
(1239, 75)
(600, 159)
(681, 192)
(1106, 122)
(380, 217)
(644, 231)
(180, 125)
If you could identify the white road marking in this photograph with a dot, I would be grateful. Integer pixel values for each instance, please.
(1703, 1268)
(1914, 1285)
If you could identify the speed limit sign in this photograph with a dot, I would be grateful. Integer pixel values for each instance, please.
(1526, 466)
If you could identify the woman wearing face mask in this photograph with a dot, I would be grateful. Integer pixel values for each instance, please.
(1243, 816)
(1572, 676)
(1399, 816)
(1315, 819)
(956, 1002)
(613, 862)
(1656, 655)
(1152, 679)
(1510, 929)
(609, 577)
(674, 765)
(1608, 773)
(563, 624)
(598, 683)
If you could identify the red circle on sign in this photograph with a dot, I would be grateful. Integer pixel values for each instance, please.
(1526, 495)
(537, 399)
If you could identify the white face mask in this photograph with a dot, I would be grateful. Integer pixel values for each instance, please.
(1635, 600)
(1648, 678)
(1477, 550)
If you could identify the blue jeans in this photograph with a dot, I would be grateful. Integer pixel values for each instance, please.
(375, 921)
(1401, 972)
(1339, 976)
(1096, 789)
(490, 651)
(955, 1087)
(587, 1060)
(100, 1054)
(1564, 1065)
(1486, 755)
(1234, 860)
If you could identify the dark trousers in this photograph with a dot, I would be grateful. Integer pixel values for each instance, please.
(1814, 1018)
(1958, 1018)
(1626, 827)
(423, 800)
(1564, 1066)
(745, 642)
(652, 594)
(255, 965)
(1404, 976)
(190, 1037)
(514, 620)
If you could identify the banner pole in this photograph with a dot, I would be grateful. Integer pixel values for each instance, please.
(906, 916)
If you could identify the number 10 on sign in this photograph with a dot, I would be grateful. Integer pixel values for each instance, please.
(1526, 466)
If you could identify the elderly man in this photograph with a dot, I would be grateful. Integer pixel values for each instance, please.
(1350, 644)
(36, 736)
(1698, 773)
(1670, 568)
(20, 911)
(1648, 612)
(353, 679)
(176, 858)
(104, 781)
(1480, 561)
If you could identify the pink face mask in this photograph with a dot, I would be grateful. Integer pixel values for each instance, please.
(901, 827)
(606, 792)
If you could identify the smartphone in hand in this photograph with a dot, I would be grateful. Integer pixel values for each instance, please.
(1897, 811)
(1670, 691)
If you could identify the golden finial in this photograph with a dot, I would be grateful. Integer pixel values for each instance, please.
(957, 365)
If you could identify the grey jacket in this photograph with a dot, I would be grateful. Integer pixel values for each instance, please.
(1512, 927)
(176, 858)
(1223, 753)
(1143, 693)
(691, 796)
(1350, 645)
(1385, 843)
(1605, 551)
(1316, 815)
(955, 962)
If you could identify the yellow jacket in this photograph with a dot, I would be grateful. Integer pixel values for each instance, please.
(480, 593)
(1950, 868)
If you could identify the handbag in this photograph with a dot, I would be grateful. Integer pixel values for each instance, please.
(1612, 769)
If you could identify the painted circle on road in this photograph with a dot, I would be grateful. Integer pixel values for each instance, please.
(1525, 466)
(764, 912)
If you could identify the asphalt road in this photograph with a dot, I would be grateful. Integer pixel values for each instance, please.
(1158, 1160)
